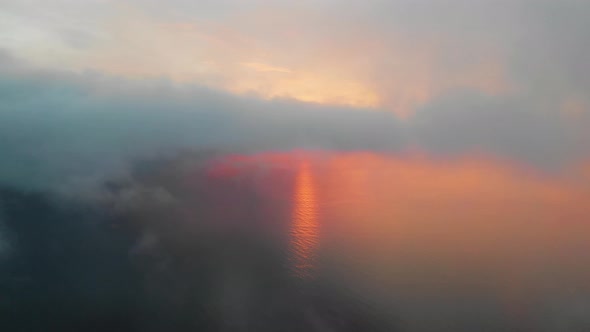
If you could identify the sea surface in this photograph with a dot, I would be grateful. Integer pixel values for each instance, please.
(433, 245)
(303, 241)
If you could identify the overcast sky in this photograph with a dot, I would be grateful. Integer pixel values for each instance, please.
(99, 82)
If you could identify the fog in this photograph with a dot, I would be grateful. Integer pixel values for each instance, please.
(153, 252)
(311, 166)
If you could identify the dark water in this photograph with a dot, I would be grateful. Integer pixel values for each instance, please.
(303, 241)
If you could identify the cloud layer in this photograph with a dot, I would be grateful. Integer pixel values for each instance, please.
(85, 88)
(395, 55)
(57, 125)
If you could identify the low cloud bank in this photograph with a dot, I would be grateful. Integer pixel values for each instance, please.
(59, 128)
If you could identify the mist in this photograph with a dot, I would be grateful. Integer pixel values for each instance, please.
(312, 166)
(73, 129)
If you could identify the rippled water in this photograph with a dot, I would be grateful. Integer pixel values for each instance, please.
(304, 232)
(468, 244)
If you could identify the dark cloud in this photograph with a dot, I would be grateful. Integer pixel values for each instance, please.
(57, 126)
(60, 128)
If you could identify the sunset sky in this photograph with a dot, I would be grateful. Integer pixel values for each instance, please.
(305, 165)
(92, 84)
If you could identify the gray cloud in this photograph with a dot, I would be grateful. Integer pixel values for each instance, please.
(540, 44)
(507, 127)
(57, 126)
(54, 124)
(548, 49)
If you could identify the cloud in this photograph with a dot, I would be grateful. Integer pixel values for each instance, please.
(461, 78)
(395, 55)
(57, 124)
(513, 128)
(88, 89)
(352, 56)
(60, 127)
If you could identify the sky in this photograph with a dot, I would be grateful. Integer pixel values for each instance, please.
(87, 86)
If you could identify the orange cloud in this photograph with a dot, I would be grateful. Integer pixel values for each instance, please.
(261, 67)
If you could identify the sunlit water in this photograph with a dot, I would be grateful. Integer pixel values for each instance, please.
(441, 245)
(304, 230)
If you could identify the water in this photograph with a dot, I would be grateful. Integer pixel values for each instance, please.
(304, 232)
(468, 244)
(304, 241)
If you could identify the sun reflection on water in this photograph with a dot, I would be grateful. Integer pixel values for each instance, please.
(304, 232)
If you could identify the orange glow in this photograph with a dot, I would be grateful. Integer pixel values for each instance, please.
(304, 232)
(470, 221)
(346, 65)
(274, 82)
